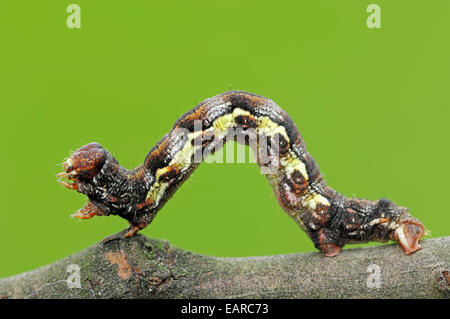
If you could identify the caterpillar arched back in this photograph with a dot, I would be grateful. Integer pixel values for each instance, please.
(330, 219)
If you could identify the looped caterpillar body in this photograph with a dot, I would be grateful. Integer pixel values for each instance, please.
(329, 218)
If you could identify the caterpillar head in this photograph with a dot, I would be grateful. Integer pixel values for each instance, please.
(84, 164)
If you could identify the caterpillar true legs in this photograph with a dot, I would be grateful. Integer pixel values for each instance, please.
(330, 219)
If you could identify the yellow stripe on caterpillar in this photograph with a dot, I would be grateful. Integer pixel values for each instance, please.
(156, 192)
(311, 201)
(270, 128)
(292, 163)
(183, 158)
(153, 191)
(162, 171)
(237, 112)
(223, 123)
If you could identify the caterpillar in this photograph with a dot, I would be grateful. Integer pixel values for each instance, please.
(329, 218)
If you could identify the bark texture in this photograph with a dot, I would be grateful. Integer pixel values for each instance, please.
(140, 267)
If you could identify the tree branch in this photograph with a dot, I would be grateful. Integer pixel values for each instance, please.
(140, 267)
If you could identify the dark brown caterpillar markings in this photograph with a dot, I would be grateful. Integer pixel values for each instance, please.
(330, 219)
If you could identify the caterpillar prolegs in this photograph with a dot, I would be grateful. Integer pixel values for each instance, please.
(329, 218)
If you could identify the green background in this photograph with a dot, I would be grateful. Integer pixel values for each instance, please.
(371, 104)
